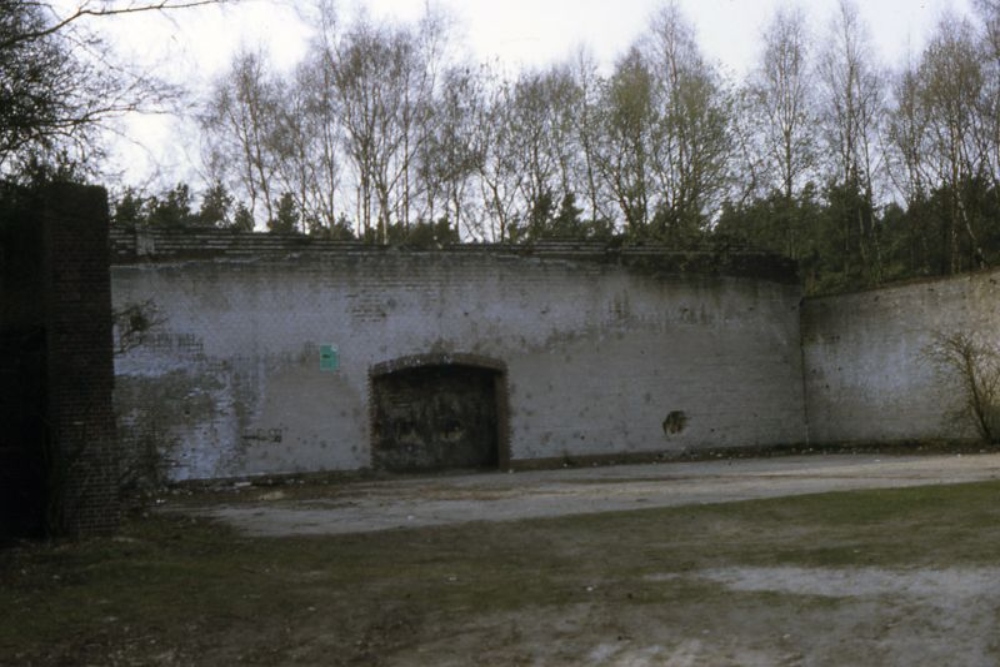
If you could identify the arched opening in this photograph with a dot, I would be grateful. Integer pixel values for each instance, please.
(435, 413)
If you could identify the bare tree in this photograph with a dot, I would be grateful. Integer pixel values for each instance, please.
(358, 63)
(448, 159)
(625, 140)
(971, 363)
(61, 84)
(781, 96)
(852, 115)
(544, 147)
(907, 133)
(431, 61)
(692, 143)
(308, 143)
(988, 139)
(497, 163)
(854, 105)
(240, 123)
(386, 79)
(951, 84)
(586, 123)
(59, 17)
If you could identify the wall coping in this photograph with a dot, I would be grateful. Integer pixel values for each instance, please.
(137, 245)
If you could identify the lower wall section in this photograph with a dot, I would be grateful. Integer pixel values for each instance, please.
(266, 366)
(867, 374)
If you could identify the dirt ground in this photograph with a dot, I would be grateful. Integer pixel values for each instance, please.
(409, 502)
(746, 615)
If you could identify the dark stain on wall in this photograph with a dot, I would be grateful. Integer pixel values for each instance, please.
(436, 417)
(675, 422)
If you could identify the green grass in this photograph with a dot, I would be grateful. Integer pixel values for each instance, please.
(173, 588)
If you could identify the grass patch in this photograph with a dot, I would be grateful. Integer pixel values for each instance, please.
(173, 590)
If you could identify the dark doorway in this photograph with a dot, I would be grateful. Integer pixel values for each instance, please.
(436, 417)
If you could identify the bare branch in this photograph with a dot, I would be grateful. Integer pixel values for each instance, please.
(973, 363)
(61, 22)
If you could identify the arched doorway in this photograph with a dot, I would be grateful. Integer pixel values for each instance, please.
(437, 413)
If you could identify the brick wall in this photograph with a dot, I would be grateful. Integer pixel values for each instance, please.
(60, 462)
(867, 375)
(598, 348)
(22, 368)
(602, 353)
(80, 363)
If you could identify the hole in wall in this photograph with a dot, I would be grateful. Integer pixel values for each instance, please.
(675, 422)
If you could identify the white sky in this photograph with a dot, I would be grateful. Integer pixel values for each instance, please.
(533, 32)
(197, 43)
(540, 31)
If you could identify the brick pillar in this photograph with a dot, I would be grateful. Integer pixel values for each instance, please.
(23, 369)
(84, 466)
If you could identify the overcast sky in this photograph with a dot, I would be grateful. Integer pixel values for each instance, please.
(520, 33)
(539, 31)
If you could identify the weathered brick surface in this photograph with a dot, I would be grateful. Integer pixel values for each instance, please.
(58, 445)
(596, 350)
(80, 364)
(131, 244)
(867, 375)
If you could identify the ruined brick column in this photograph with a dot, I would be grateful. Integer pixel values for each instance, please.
(80, 365)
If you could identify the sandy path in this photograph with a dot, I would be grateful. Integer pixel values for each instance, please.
(447, 499)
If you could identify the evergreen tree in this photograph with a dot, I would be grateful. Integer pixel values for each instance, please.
(286, 216)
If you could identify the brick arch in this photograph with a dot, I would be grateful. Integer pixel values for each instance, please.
(438, 411)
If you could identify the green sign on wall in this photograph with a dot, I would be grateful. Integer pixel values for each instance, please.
(329, 358)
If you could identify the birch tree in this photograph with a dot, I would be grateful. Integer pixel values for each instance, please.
(626, 137)
(852, 113)
(692, 142)
(495, 148)
(952, 83)
(240, 124)
(782, 99)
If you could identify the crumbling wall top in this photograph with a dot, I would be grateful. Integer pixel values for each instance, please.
(130, 245)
